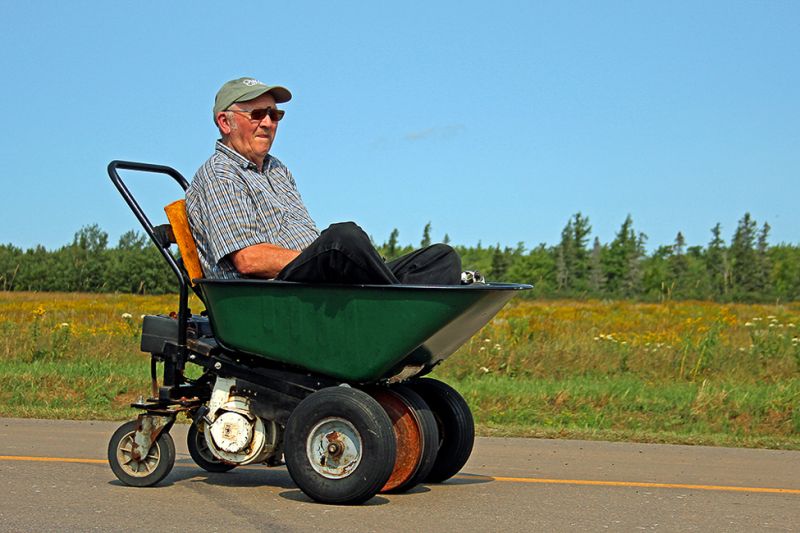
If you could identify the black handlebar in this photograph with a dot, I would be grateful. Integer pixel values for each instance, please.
(137, 210)
(163, 248)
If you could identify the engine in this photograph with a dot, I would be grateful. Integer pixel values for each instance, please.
(234, 434)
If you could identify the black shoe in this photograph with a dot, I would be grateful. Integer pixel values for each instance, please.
(468, 277)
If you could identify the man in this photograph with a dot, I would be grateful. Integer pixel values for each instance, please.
(248, 219)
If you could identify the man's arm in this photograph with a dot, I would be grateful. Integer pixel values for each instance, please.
(262, 260)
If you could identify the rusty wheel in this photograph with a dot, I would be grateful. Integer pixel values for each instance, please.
(408, 435)
(339, 446)
(430, 436)
(140, 471)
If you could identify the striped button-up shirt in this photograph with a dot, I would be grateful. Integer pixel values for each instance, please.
(231, 205)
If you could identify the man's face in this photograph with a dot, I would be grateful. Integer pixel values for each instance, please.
(251, 138)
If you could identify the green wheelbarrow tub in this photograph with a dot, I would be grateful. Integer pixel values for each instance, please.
(356, 333)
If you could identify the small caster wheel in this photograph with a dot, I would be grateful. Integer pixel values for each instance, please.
(339, 446)
(456, 427)
(201, 454)
(145, 471)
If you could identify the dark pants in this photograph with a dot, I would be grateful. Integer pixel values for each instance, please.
(343, 254)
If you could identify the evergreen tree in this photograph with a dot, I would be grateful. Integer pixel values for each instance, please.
(678, 266)
(597, 279)
(10, 260)
(565, 257)
(718, 264)
(476, 258)
(744, 261)
(762, 276)
(426, 236)
(696, 283)
(562, 274)
(656, 279)
(501, 260)
(572, 257)
(633, 278)
(391, 247)
(581, 229)
(537, 268)
(785, 278)
(622, 261)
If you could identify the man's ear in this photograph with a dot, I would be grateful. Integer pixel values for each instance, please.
(223, 123)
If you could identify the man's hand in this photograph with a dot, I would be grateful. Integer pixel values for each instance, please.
(262, 260)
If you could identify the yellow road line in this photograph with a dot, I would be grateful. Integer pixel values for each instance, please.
(52, 459)
(544, 481)
(728, 488)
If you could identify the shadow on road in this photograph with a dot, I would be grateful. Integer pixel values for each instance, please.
(278, 477)
(298, 496)
(468, 479)
(238, 477)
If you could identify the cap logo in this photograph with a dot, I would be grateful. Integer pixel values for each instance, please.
(251, 82)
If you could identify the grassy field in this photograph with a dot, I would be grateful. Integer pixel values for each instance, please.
(682, 372)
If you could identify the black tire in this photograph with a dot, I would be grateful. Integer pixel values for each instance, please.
(198, 449)
(455, 424)
(359, 456)
(142, 473)
(430, 437)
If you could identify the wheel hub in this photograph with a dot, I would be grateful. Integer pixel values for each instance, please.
(232, 432)
(137, 466)
(334, 448)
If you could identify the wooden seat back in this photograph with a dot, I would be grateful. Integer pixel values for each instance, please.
(176, 214)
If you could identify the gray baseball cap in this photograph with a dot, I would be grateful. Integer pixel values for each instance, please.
(244, 89)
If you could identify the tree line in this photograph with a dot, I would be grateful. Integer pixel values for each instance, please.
(88, 265)
(745, 269)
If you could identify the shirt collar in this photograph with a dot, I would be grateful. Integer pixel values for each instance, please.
(239, 159)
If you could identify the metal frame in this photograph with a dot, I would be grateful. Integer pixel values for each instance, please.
(173, 362)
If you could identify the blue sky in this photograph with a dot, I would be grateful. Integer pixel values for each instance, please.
(494, 121)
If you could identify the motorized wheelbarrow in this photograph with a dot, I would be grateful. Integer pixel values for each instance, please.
(326, 378)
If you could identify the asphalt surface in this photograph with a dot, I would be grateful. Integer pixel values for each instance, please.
(53, 477)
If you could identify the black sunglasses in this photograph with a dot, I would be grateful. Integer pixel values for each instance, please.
(259, 114)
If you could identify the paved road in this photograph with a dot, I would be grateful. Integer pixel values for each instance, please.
(508, 485)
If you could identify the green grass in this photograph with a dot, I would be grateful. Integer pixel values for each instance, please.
(588, 407)
(629, 408)
(94, 390)
(678, 372)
